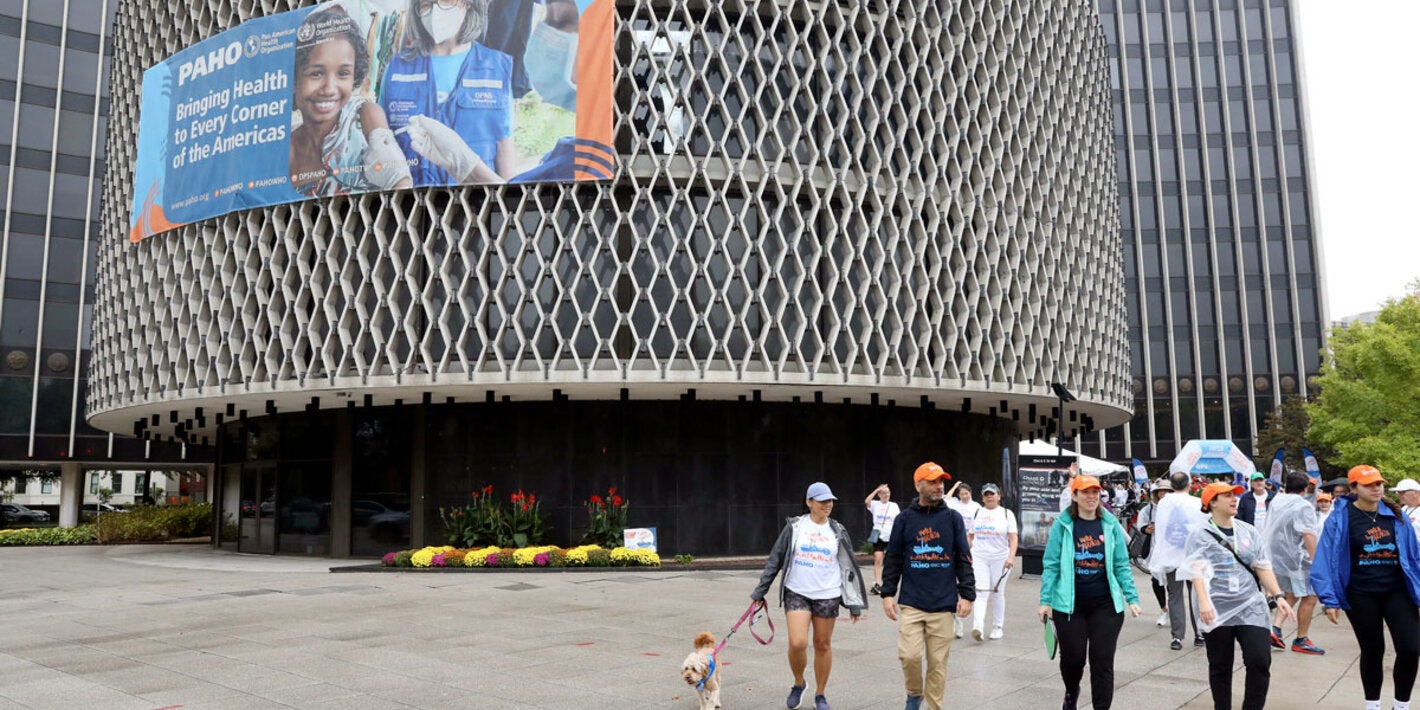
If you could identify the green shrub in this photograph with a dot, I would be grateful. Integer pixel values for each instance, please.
(404, 558)
(81, 535)
(598, 558)
(149, 523)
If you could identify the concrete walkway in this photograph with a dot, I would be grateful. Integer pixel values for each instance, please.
(149, 627)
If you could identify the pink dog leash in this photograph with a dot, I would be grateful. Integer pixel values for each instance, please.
(753, 613)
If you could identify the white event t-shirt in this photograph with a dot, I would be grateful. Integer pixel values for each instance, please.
(993, 527)
(967, 510)
(1259, 515)
(813, 566)
(883, 516)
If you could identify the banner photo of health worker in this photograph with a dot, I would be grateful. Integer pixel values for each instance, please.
(357, 96)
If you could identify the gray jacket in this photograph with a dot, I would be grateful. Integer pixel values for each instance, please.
(855, 593)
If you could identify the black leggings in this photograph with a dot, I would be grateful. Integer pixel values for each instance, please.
(1091, 632)
(1160, 593)
(1368, 613)
(1256, 645)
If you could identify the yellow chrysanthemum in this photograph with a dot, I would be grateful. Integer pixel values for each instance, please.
(523, 557)
(425, 556)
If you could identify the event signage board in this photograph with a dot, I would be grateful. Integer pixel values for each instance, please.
(356, 96)
(1041, 480)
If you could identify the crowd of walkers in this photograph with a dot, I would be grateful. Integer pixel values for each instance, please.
(1235, 565)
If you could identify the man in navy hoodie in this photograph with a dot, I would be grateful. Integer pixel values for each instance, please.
(929, 555)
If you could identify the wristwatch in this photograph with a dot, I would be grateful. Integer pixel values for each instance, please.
(1272, 600)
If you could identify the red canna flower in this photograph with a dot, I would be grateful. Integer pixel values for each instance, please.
(532, 500)
(475, 495)
(488, 489)
(596, 499)
(616, 501)
(611, 491)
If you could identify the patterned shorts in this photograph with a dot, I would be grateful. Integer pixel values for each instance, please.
(821, 608)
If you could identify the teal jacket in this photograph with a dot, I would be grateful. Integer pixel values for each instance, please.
(1057, 583)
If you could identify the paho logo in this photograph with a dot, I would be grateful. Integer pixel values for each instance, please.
(207, 63)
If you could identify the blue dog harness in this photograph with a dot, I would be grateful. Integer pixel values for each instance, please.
(708, 676)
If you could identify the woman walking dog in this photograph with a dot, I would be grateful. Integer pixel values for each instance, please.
(820, 575)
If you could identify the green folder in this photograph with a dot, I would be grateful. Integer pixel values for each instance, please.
(1050, 643)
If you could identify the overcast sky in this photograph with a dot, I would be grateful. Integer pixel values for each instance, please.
(1361, 60)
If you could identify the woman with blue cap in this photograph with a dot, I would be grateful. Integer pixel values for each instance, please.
(820, 575)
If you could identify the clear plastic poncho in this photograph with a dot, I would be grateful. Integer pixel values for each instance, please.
(1288, 518)
(1175, 517)
(1236, 598)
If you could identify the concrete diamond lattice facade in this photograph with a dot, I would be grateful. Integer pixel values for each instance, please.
(874, 204)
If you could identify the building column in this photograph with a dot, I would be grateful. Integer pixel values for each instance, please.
(417, 481)
(341, 464)
(71, 493)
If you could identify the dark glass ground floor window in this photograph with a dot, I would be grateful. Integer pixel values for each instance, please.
(303, 507)
(380, 484)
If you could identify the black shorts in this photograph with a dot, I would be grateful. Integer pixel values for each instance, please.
(821, 608)
(880, 546)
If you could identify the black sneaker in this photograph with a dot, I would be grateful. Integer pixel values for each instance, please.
(1197, 640)
(1176, 645)
(877, 590)
(1069, 702)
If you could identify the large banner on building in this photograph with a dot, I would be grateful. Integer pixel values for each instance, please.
(357, 96)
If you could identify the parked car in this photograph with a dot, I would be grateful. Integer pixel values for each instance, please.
(16, 513)
(88, 512)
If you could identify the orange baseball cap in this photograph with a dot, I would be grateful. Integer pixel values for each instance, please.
(1323, 496)
(1212, 490)
(930, 472)
(1364, 475)
(1084, 483)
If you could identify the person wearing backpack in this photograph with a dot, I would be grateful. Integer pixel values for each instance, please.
(1235, 591)
(1176, 516)
(994, 536)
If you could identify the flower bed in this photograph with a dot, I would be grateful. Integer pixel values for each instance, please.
(524, 557)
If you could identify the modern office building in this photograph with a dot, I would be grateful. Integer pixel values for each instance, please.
(842, 239)
(54, 104)
(1221, 253)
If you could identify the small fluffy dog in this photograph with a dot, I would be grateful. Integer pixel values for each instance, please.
(698, 667)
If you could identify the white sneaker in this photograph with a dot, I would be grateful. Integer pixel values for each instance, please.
(996, 633)
(1163, 620)
(976, 633)
(957, 627)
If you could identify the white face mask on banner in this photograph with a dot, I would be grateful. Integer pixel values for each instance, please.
(443, 23)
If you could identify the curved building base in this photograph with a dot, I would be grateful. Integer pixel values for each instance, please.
(713, 477)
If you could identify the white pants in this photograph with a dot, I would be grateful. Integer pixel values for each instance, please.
(987, 571)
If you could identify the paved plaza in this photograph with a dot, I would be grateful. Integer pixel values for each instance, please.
(148, 627)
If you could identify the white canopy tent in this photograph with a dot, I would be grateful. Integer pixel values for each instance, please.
(1088, 464)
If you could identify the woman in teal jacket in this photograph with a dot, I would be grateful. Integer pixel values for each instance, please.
(1086, 584)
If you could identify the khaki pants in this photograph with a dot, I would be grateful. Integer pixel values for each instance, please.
(920, 633)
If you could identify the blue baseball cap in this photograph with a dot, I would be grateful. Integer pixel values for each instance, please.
(820, 492)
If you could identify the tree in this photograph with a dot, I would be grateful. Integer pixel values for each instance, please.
(1286, 428)
(1369, 407)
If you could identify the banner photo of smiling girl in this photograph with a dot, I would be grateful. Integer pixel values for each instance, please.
(356, 96)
